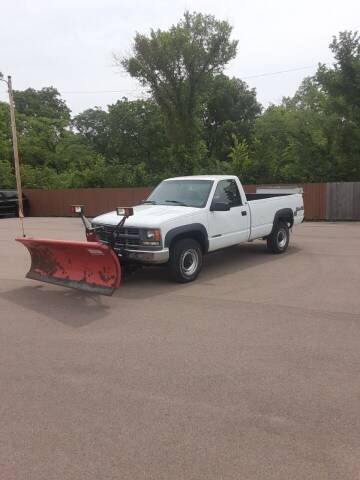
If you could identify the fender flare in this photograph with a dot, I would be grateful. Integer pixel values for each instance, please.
(285, 213)
(184, 229)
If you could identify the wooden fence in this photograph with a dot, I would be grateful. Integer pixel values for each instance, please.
(343, 201)
(323, 201)
(57, 202)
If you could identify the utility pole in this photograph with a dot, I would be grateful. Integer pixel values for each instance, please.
(15, 149)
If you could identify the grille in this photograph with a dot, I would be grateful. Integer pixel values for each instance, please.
(125, 236)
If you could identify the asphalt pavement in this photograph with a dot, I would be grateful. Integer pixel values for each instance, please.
(251, 372)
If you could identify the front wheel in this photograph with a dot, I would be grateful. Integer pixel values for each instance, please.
(185, 260)
(278, 241)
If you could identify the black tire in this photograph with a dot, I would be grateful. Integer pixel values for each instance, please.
(185, 260)
(278, 241)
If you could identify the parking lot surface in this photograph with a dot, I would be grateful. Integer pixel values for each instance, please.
(251, 372)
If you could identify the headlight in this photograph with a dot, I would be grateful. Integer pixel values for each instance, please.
(152, 237)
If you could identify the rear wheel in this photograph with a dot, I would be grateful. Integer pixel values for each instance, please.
(278, 241)
(185, 260)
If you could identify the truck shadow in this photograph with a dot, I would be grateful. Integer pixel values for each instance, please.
(155, 280)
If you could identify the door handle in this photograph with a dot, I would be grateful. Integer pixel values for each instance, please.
(244, 213)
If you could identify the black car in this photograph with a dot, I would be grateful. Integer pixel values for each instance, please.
(9, 203)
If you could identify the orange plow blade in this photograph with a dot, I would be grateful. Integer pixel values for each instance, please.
(89, 266)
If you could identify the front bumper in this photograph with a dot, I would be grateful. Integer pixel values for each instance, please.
(147, 256)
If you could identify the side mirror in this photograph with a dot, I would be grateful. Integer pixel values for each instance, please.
(219, 207)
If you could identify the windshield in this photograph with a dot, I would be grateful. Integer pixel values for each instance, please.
(187, 193)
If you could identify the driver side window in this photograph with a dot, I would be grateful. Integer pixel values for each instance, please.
(227, 192)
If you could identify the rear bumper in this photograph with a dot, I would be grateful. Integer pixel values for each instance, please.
(148, 256)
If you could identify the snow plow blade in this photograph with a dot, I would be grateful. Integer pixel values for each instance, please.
(89, 266)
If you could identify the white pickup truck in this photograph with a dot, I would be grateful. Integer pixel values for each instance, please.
(185, 218)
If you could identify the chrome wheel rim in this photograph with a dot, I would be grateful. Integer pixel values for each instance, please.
(189, 262)
(281, 238)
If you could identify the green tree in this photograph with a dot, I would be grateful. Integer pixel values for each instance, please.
(341, 84)
(93, 125)
(44, 103)
(315, 135)
(230, 110)
(291, 145)
(5, 133)
(239, 160)
(176, 66)
(136, 134)
(42, 121)
(7, 177)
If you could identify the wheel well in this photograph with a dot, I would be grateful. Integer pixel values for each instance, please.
(285, 215)
(196, 235)
(289, 219)
(197, 231)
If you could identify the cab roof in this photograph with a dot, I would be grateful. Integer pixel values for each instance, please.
(203, 177)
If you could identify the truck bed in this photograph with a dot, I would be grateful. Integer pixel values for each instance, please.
(263, 207)
(261, 196)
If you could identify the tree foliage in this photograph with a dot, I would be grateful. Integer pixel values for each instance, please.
(196, 120)
(230, 111)
(176, 65)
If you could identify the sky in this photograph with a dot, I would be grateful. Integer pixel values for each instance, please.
(69, 44)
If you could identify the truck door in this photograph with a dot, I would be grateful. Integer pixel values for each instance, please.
(232, 226)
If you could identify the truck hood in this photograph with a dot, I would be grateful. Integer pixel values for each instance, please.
(148, 215)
